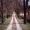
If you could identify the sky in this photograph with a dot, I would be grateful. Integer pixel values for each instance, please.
(28, 2)
(21, 2)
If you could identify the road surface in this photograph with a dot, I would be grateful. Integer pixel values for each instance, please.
(14, 25)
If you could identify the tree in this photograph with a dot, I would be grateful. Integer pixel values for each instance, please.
(2, 9)
(24, 12)
(25, 7)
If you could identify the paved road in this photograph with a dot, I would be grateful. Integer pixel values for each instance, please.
(14, 25)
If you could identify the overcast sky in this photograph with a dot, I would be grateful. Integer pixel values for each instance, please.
(21, 2)
(28, 2)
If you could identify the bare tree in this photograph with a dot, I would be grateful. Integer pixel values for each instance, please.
(2, 9)
(25, 7)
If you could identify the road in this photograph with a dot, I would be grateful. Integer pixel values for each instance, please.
(14, 24)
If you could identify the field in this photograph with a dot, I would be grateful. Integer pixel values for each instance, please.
(24, 26)
(5, 24)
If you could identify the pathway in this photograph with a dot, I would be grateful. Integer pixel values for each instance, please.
(14, 25)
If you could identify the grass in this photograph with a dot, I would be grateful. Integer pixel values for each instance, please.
(5, 24)
(24, 26)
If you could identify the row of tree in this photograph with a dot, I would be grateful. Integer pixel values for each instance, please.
(20, 7)
(6, 9)
(8, 6)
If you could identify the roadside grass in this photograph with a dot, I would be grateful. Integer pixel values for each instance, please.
(5, 24)
(24, 26)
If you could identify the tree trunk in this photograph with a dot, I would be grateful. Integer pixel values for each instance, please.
(24, 13)
(2, 9)
(2, 17)
(25, 7)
